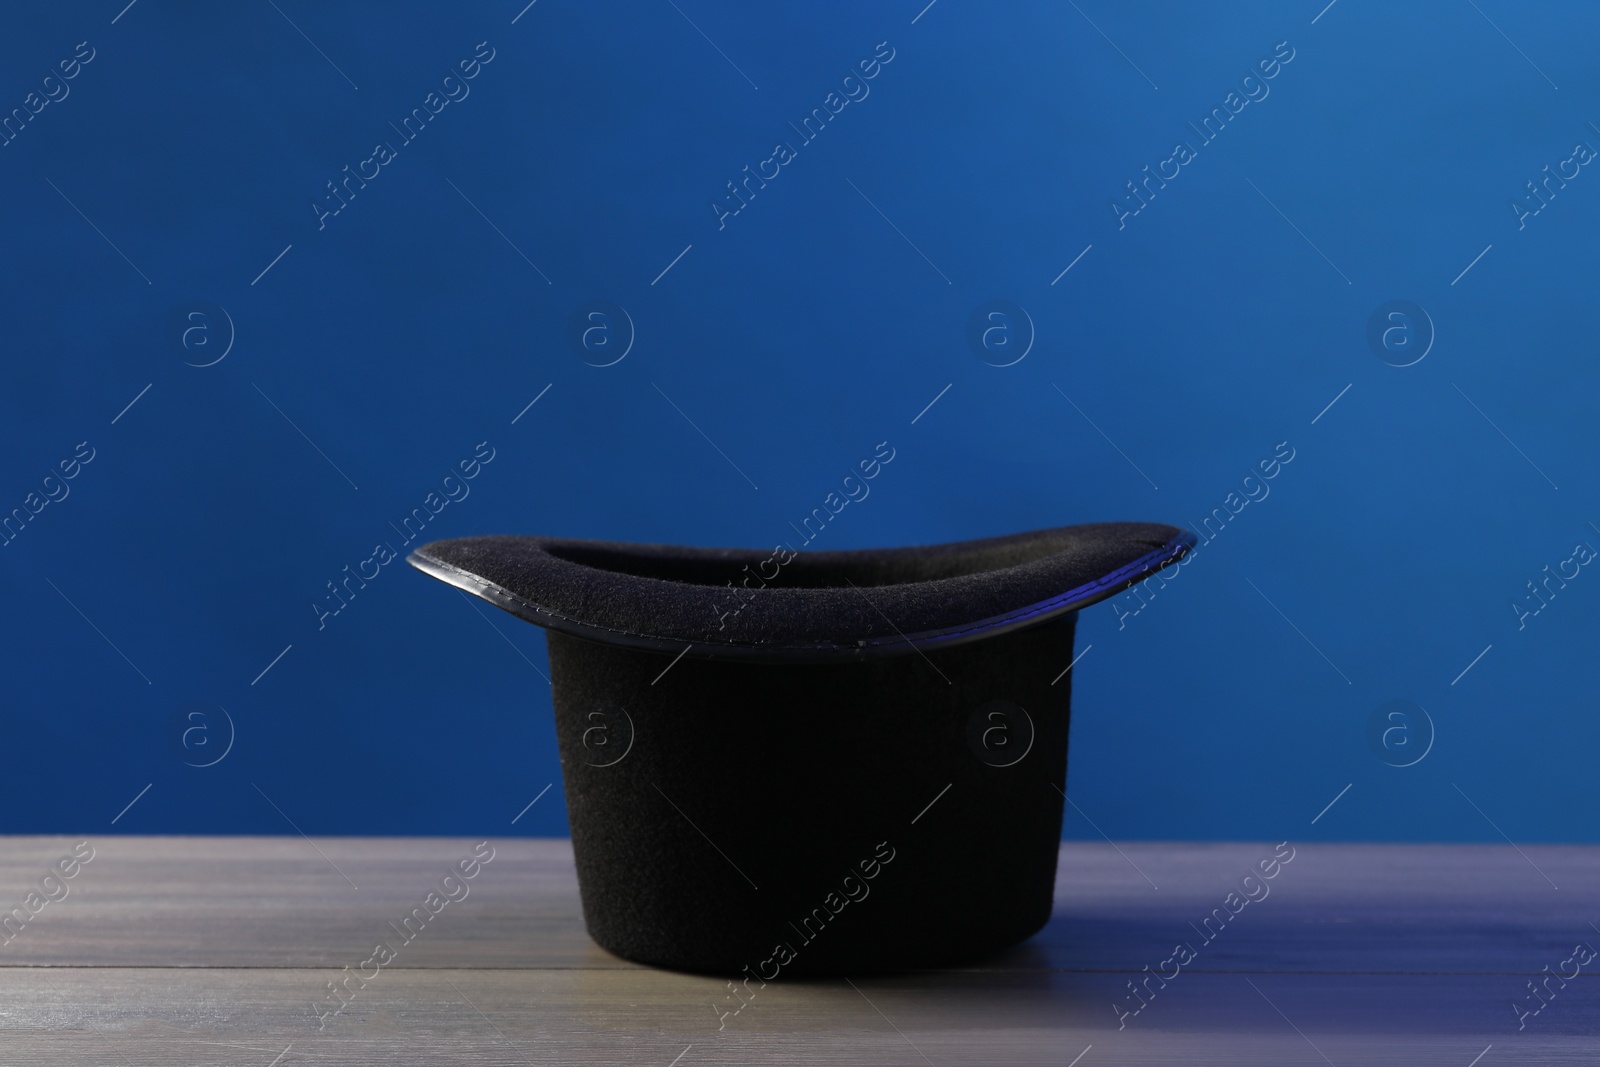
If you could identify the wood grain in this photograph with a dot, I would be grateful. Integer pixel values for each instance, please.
(214, 950)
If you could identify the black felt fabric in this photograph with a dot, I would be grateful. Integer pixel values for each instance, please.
(753, 790)
(808, 784)
(727, 602)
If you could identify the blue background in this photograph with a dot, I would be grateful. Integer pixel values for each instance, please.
(1220, 320)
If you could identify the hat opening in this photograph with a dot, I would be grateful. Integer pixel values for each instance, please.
(863, 568)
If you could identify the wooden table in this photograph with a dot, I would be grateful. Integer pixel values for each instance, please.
(175, 951)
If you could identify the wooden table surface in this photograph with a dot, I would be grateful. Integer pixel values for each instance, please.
(176, 951)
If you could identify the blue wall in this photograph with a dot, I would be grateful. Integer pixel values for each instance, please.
(177, 174)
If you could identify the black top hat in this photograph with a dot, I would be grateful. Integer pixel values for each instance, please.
(822, 762)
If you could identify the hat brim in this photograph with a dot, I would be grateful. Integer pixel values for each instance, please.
(786, 606)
